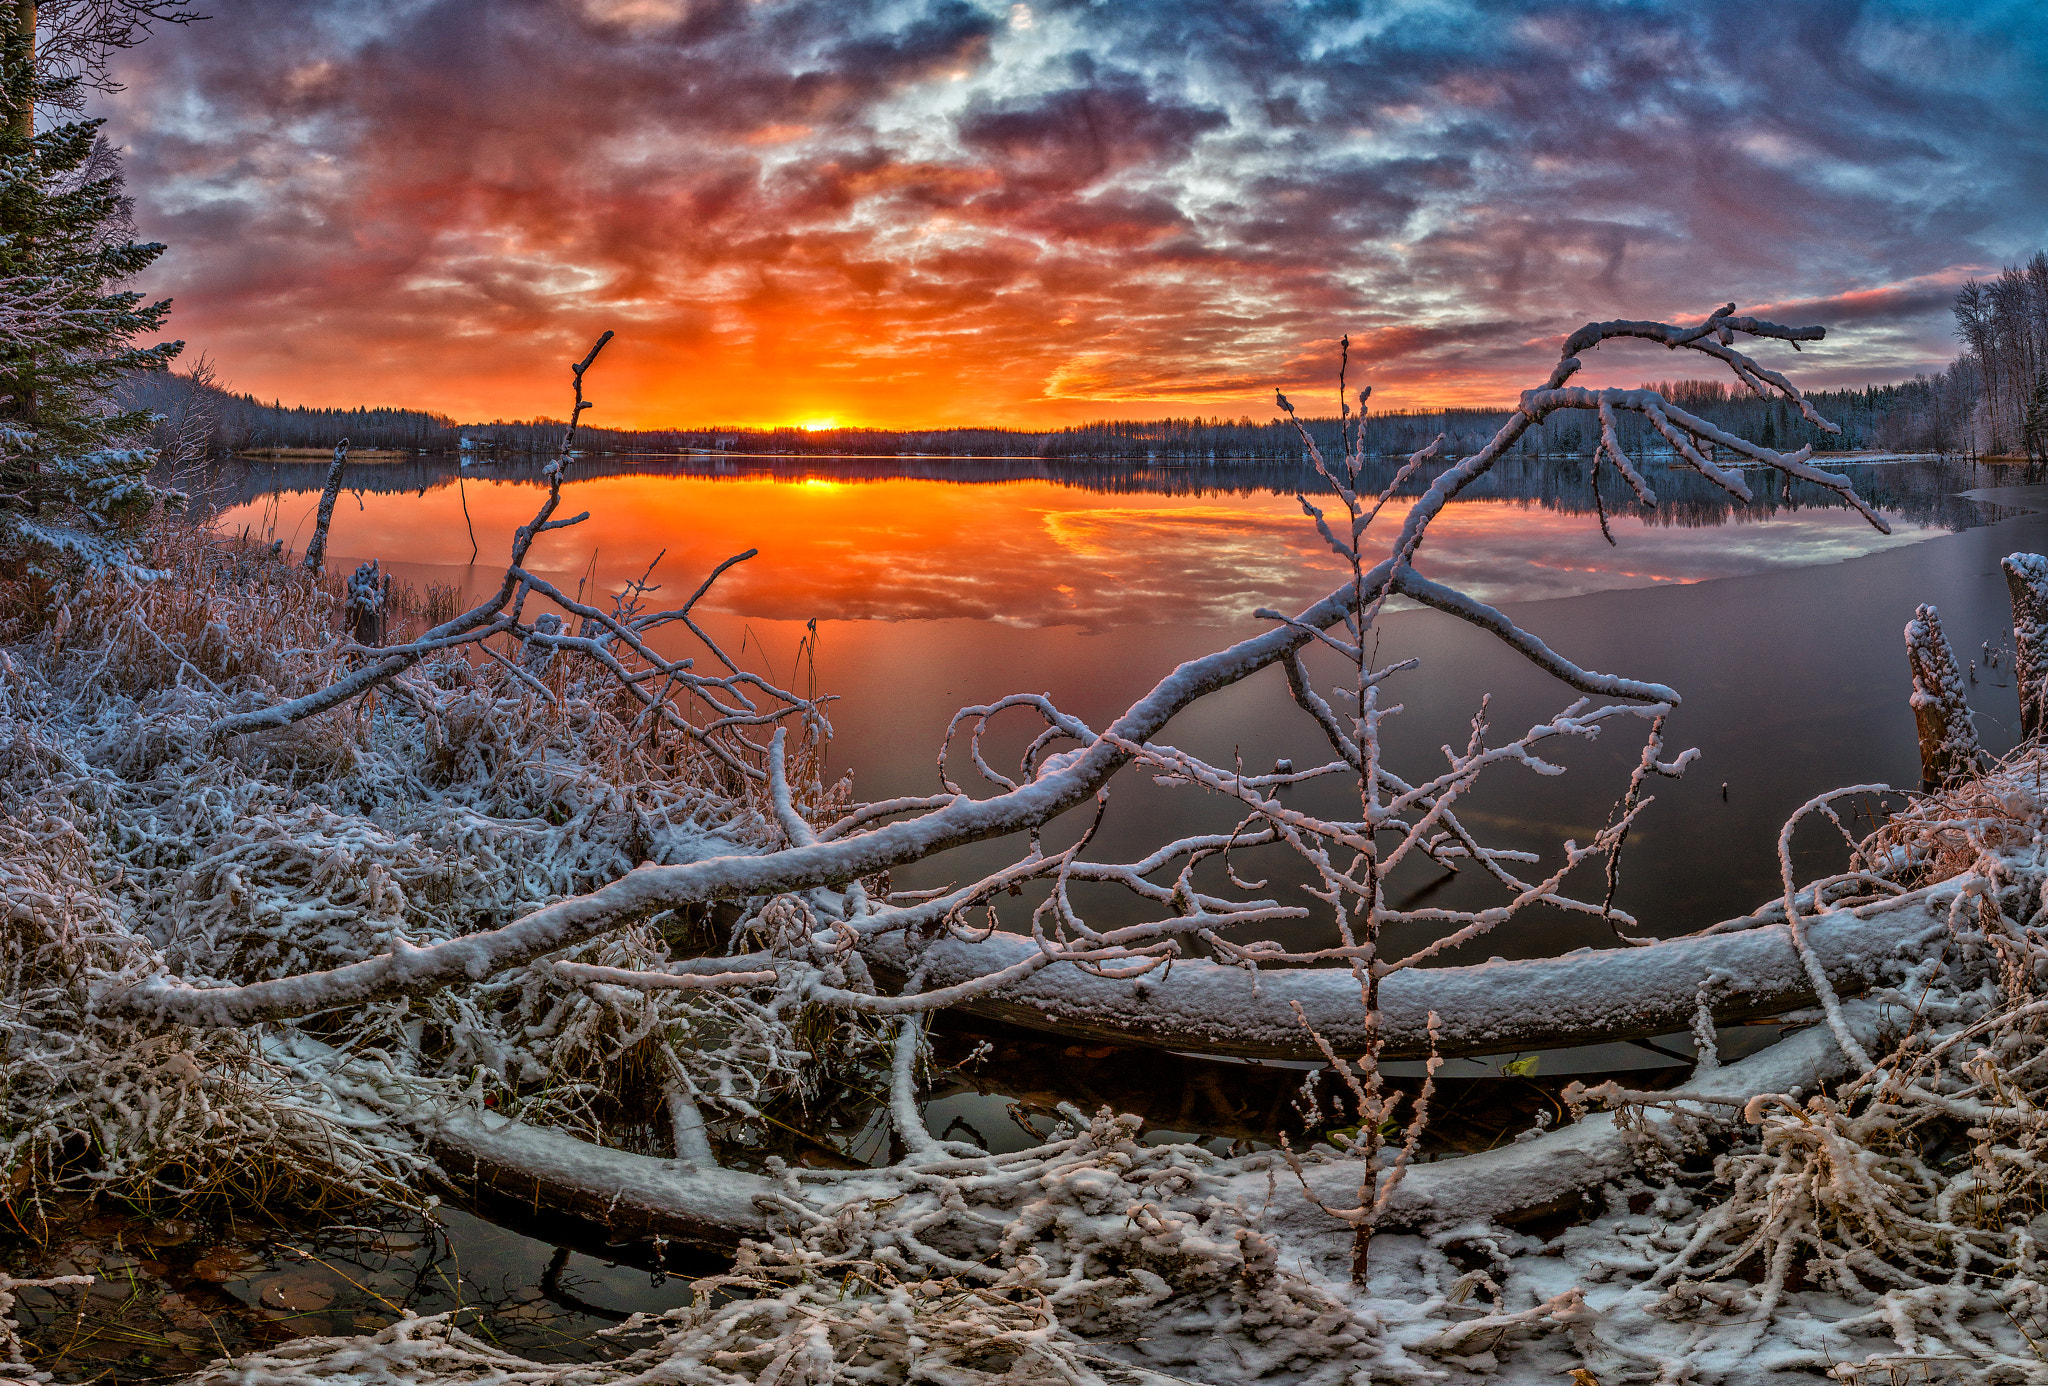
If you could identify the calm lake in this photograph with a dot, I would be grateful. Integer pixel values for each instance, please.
(941, 582)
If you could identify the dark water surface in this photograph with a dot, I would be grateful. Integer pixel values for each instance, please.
(171, 1294)
(938, 583)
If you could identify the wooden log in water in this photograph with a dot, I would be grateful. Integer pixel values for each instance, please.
(503, 1164)
(2026, 577)
(1949, 749)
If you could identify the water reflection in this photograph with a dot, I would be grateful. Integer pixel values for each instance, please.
(941, 583)
(1089, 545)
(1778, 620)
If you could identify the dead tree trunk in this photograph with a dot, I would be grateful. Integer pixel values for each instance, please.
(316, 547)
(1949, 750)
(2026, 575)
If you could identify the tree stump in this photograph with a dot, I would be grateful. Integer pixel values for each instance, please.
(1949, 750)
(2026, 577)
(368, 594)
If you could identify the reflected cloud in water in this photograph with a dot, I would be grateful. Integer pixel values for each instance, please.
(1090, 581)
(1044, 550)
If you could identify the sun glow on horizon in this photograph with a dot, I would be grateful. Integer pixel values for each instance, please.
(818, 425)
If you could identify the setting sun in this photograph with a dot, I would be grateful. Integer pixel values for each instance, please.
(818, 425)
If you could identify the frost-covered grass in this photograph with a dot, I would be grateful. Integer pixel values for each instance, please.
(135, 846)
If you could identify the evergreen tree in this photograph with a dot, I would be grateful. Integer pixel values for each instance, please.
(70, 466)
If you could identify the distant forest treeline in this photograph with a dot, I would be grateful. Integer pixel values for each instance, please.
(1905, 417)
(1920, 491)
(1992, 400)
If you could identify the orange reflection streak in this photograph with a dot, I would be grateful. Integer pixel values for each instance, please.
(1028, 553)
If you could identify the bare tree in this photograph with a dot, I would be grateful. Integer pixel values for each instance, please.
(76, 38)
(2003, 324)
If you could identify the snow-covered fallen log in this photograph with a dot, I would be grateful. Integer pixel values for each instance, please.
(1503, 1006)
(504, 1163)
(634, 1197)
(1348, 856)
(1562, 1170)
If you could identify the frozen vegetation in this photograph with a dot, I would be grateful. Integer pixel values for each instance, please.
(295, 914)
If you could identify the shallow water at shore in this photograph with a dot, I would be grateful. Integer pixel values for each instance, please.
(170, 1294)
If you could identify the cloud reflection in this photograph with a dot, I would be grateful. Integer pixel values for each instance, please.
(1035, 554)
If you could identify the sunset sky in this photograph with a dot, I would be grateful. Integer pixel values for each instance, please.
(940, 212)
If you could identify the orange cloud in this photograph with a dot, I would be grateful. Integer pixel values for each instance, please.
(918, 214)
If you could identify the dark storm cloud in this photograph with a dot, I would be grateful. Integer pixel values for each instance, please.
(943, 208)
(1064, 141)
